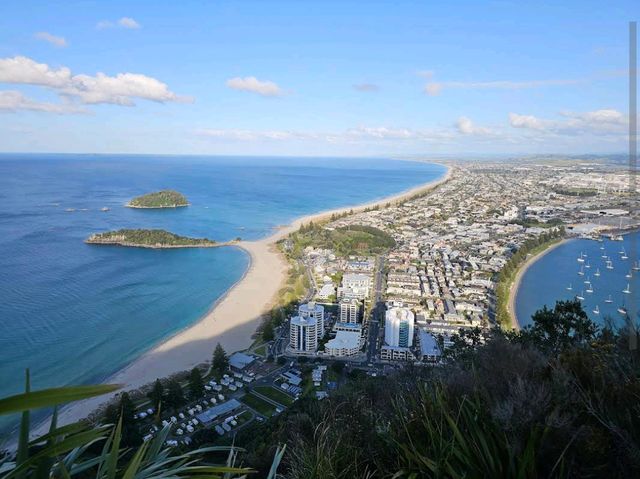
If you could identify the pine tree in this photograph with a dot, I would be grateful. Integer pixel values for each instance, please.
(220, 360)
(175, 396)
(196, 384)
(267, 331)
(156, 394)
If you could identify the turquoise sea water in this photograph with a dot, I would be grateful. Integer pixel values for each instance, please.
(547, 280)
(76, 313)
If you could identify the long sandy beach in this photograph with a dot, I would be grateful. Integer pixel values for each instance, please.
(231, 321)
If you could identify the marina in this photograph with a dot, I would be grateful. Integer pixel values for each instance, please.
(607, 292)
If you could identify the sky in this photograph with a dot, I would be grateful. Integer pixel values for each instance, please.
(340, 78)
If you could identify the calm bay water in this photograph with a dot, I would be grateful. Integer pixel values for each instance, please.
(547, 280)
(76, 313)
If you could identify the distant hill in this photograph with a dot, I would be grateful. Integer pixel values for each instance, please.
(159, 199)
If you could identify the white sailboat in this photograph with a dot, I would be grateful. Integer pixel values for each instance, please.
(627, 290)
(596, 310)
(569, 288)
(608, 300)
(590, 289)
(581, 258)
(609, 264)
(580, 296)
(629, 275)
(597, 273)
(636, 266)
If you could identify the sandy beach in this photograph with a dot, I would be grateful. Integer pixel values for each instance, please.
(513, 291)
(231, 321)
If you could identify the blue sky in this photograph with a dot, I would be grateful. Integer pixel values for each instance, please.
(314, 78)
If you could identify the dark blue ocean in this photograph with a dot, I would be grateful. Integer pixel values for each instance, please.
(76, 313)
(547, 280)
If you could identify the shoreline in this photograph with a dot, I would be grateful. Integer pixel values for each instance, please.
(125, 244)
(515, 285)
(232, 319)
(155, 207)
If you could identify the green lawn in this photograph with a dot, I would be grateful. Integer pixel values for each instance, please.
(277, 396)
(262, 350)
(260, 405)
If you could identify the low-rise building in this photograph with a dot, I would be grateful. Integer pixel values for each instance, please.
(346, 343)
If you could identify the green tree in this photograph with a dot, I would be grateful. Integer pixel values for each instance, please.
(126, 410)
(175, 396)
(196, 384)
(557, 329)
(156, 394)
(267, 331)
(337, 366)
(220, 360)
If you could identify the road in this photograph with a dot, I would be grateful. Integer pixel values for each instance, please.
(377, 311)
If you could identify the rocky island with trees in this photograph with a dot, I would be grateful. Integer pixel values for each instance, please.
(159, 199)
(150, 238)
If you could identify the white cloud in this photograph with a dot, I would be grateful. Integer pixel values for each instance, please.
(382, 133)
(252, 84)
(605, 116)
(435, 88)
(251, 135)
(428, 74)
(13, 101)
(103, 24)
(527, 121)
(361, 134)
(599, 122)
(467, 127)
(121, 89)
(366, 87)
(124, 22)
(53, 39)
(25, 70)
(127, 22)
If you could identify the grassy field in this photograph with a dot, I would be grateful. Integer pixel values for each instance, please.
(257, 404)
(275, 395)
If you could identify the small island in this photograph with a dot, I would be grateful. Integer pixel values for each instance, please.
(159, 199)
(142, 238)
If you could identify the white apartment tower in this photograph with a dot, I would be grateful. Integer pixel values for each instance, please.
(316, 311)
(398, 327)
(349, 310)
(303, 334)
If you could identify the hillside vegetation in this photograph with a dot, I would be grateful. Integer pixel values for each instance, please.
(159, 199)
(350, 240)
(559, 399)
(148, 239)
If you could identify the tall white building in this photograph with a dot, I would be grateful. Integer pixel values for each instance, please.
(349, 310)
(398, 327)
(316, 311)
(303, 334)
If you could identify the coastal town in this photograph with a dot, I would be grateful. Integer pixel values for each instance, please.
(396, 284)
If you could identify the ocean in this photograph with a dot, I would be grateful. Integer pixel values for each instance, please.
(75, 313)
(547, 280)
